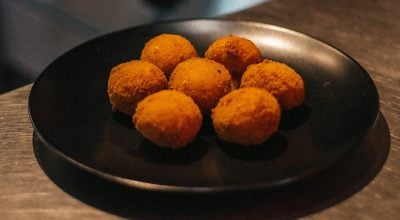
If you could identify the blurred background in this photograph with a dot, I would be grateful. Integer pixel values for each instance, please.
(35, 32)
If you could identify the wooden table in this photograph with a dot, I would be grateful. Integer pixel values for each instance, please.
(366, 30)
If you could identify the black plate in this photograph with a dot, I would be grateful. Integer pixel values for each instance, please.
(70, 112)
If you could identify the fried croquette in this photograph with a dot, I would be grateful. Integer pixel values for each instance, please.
(132, 81)
(235, 52)
(247, 116)
(167, 50)
(277, 78)
(168, 118)
(206, 81)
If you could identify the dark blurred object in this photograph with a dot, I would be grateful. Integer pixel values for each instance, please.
(163, 3)
(35, 32)
(11, 78)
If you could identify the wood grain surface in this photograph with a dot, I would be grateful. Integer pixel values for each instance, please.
(367, 30)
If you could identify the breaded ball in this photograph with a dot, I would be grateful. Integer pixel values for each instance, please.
(167, 50)
(206, 81)
(132, 81)
(168, 118)
(247, 116)
(235, 52)
(277, 78)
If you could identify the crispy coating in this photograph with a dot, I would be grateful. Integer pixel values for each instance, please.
(247, 116)
(235, 52)
(167, 50)
(206, 81)
(279, 79)
(132, 81)
(168, 118)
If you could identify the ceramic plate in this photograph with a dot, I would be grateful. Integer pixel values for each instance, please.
(70, 112)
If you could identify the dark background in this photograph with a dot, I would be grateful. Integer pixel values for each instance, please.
(35, 32)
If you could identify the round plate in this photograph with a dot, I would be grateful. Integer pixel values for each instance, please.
(70, 112)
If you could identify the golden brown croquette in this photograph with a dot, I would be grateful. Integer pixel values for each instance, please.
(235, 52)
(130, 82)
(168, 118)
(247, 116)
(206, 81)
(277, 78)
(167, 50)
